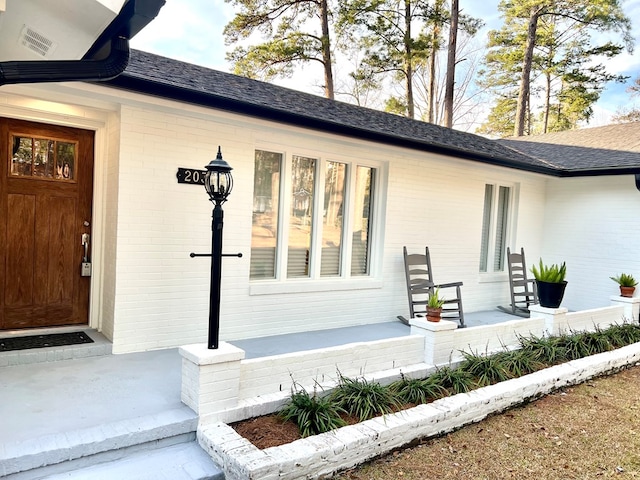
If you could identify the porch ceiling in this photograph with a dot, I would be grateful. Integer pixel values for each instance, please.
(60, 30)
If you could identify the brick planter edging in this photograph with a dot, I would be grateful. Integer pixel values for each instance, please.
(325, 454)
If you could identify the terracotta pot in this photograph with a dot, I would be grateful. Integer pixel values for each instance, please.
(550, 294)
(627, 291)
(433, 314)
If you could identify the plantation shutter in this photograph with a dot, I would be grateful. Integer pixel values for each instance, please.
(486, 227)
(502, 218)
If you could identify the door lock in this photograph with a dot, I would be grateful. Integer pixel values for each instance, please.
(85, 270)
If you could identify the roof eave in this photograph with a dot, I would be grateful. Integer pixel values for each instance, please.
(599, 172)
(140, 85)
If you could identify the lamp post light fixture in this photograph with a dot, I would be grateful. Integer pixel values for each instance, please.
(218, 183)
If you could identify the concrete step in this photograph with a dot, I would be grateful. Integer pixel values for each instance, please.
(100, 347)
(85, 414)
(160, 446)
(84, 444)
(183, 461)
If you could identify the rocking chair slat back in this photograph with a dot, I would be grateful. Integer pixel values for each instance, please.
(420, 285)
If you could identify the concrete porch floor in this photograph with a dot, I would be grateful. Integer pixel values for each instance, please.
(99, 401)
(295, 342)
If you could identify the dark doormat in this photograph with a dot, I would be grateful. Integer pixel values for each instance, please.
(42, 341)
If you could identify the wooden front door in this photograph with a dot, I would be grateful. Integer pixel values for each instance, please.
(46, 182)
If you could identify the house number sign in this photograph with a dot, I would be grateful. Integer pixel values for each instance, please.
(191, 176)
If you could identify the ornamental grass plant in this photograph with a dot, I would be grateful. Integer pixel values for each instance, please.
(455, 380)
(520, 362)
(485, 369)
(548, 350)
(312, 413)
(418, 390)
(364, 399)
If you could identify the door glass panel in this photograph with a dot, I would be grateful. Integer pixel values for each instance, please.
(301, 215)
(43, 158)
(22, 158)
(66, 160)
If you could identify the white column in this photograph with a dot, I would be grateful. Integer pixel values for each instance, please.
(631, 307)
(211, 378)
(555, 319)
(439, 339)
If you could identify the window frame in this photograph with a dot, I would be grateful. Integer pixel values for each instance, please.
(509, 228)
(315, 282)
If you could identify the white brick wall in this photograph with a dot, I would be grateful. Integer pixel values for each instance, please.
(444, 343)
(277, 373)
(588, 319)
(220, 386)
(593, 225)
(162, 295)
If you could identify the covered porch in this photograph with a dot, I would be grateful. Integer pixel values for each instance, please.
(79, 408)
(80, 412)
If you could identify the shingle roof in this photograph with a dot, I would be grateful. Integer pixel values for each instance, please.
(160, 76)
(609, 147)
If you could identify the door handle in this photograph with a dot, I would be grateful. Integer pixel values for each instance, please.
(85, 244)
(85, 269)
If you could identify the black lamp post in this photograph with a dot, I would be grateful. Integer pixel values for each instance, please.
(218, 183)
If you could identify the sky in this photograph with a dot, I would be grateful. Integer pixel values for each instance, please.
(191, 31)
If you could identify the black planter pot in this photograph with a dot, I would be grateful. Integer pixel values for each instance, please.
(550, 294)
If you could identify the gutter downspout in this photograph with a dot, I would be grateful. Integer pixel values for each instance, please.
(107, 58)
(69, 70)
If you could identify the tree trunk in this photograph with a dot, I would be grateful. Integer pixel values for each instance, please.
(451, 65)
(432, 74)
(326, 51)
(408, 58)
(547, 103)
(525, 81)
(435, 44)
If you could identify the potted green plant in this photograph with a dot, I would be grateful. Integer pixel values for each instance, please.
(627, 284)
(551, 283)
(434, 306)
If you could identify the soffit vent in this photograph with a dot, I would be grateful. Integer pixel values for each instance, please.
(36, 42)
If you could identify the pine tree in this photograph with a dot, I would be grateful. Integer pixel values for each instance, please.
(551, 40)
(289, 41)
(630, 114)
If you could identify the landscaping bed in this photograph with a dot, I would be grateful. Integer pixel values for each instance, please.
(588, 431)
(355, 400)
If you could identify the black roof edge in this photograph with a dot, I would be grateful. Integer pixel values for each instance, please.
(40, 71)
(593, 172)
(134, 83)
(133, 17)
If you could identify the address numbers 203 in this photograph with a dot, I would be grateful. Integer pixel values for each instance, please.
(191, 176)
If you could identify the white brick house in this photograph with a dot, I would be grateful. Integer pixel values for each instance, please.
(428, 186)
